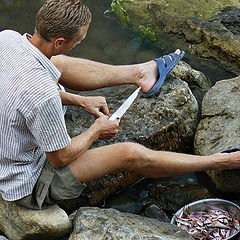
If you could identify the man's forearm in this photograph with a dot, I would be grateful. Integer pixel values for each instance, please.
(79, 144)
(71, 99)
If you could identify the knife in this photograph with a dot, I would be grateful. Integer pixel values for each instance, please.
(124, 107)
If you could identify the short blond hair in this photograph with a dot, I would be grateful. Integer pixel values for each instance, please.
(61, 18)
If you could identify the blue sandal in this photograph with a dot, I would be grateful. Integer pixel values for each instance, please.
(231, 150)
(165, 65)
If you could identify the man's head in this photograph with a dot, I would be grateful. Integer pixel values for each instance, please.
(62, 18)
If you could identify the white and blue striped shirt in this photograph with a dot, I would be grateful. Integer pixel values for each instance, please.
(31, 115)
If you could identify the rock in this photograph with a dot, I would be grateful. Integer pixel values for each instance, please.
(230, 18)
(170, 197)
(96, 223)
(173, 110)
(153, 211)
(19, 223)
(196, 80)
(194, 27)
(166, 121)
(219, 129)
(96, 191)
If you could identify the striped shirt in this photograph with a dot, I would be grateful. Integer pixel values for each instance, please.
(31, 115)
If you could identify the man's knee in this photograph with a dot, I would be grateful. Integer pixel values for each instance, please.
(133, 154)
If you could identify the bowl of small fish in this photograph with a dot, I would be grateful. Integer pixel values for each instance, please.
(209, 219)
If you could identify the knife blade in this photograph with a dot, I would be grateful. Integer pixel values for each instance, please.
(124, 107)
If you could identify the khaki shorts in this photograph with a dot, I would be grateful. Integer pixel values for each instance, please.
(53, 186)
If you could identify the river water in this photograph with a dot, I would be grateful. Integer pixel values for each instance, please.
(106, 42)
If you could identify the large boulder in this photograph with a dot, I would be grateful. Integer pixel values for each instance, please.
(166, 121)
(97, 224)
(173, 110)
(219, 129)
(197, 27)
(19, 223)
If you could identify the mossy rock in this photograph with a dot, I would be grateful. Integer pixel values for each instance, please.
(198, 27)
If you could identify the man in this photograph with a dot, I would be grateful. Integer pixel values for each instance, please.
(39, 163)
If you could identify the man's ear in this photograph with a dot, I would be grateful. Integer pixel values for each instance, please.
(58, 42)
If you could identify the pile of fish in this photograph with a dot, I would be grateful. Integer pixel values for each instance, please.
(211, 223)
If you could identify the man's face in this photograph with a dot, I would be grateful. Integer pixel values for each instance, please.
(66, 46)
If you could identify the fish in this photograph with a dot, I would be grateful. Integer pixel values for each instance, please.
(211, 224)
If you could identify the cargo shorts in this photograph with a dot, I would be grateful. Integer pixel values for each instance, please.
(53, 186)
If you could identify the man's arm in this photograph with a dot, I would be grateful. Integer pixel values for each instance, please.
(102, 128)
(94, 105)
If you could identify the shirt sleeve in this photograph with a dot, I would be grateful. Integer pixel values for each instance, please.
(47, 124)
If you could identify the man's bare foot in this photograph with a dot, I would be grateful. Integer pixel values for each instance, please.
(148, 74)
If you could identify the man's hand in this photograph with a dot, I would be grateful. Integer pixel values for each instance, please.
(95, 105)
(106, 128)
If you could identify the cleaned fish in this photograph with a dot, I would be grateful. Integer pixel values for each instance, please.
(211, 224)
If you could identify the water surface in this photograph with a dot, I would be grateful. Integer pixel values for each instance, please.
(106, 40)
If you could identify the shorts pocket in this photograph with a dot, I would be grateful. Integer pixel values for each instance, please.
(65, 185)
(42, 186)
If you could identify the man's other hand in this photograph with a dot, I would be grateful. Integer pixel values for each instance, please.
(106, 128)
(96, 106)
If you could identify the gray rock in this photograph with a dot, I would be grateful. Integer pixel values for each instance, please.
(96, 223)
(230, 18)
(196, 80)
(219, 129)
(19, 223)
(173, 107)
(153, 211)
(170, 197)
(166, 121)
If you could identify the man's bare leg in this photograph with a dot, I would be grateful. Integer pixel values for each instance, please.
(132, 157)
(82, 74)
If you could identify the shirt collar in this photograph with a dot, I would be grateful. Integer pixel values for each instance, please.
(46, 63)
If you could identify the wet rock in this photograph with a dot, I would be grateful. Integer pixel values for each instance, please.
(19, 223)
(170, 197)
(219, 129)
(195, 27)
(153, 211)
(96, 223)
(230, 18)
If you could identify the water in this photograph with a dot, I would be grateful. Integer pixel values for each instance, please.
(106, 41)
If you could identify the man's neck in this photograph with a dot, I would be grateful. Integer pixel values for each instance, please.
(44, 46)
